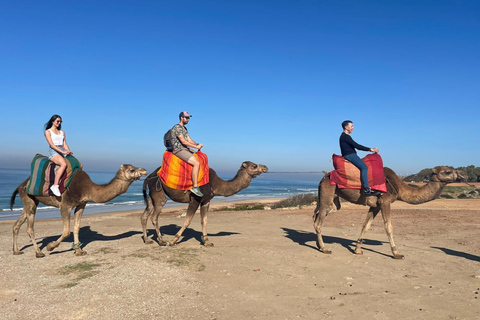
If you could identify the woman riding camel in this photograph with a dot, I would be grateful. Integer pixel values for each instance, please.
(58, 148)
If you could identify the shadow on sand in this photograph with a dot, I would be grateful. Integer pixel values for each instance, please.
(303, 238)
(169, 231)
(87, 235)
(459, 254)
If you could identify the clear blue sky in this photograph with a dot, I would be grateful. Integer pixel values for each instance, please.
(266, 81)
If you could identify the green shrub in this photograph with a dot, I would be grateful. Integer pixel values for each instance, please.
(244, 207)
(462, 196)
(446, 196)
(304, 199)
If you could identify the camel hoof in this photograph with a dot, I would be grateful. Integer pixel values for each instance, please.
(171, 244)
(162, 243)
(17, 253)
(148, 241)
(359, 252)
(327, 251)
(50, 246)
(398, 256)
(80, 253)
(208, 244)
(39, 255)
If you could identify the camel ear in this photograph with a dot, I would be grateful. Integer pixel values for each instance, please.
(244, 165)
(121, 168)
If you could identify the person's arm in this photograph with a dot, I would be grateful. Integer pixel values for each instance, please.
(190, 143)
(65, 145)
(356, 145)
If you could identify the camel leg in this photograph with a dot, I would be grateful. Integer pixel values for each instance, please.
(326, 203)
(155, 215)
(154, 206)
(372, 213)
(203, 214)
(16, 230)
(76, 229)
(65, 212)
(144, 220)
(389, 229)
(31, 233)
(192, 208)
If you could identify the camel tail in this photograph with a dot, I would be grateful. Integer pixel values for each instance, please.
(12, 199)
(144, 190)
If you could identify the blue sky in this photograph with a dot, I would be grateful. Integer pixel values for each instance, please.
(266, 81)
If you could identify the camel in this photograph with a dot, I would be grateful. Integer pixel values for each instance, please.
(156, 198)
(328, 201)
(80, 191)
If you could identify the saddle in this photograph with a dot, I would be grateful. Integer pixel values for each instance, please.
(347, 176)
(42, 175)
(177, 174)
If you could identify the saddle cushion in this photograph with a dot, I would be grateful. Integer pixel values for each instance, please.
(42, 175)
(177, 174)
(347, 176)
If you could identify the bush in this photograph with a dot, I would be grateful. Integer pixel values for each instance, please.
(446, 196)
(304, 199)
(462, 196)
(244, 207)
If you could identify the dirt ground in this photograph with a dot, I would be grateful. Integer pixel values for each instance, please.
(264, 265)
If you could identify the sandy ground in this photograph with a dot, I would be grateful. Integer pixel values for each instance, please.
(264, 265)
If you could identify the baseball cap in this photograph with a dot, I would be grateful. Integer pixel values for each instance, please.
(184, 114)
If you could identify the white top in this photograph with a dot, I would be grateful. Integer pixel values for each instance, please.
(57, 139)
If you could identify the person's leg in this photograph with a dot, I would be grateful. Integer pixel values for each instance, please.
(195, 170)
(189, 158)
(62, 163)
(357, 162)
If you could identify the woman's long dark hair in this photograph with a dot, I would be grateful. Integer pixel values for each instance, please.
(49, 124)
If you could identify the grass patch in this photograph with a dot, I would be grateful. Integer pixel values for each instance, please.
(305, 199)
(82, 270)
(78, 268)
(106, 250)
(446, 196)
(243, 207)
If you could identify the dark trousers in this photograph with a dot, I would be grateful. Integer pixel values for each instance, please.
(357, 162)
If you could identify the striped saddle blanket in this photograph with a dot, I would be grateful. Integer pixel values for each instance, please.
(347, 176)
(177, 174)
(42, 175)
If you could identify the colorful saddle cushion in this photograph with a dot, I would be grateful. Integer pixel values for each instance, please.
(177, 174)
(42, 175)
(347, 176)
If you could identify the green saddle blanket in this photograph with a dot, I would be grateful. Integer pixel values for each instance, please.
(42, 175)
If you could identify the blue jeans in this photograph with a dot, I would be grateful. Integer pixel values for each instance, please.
(357, 162)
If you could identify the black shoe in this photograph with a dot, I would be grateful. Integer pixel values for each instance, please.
(369, 192)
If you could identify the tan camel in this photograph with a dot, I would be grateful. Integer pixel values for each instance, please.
(156, 198)
(328, 201)
(81, 190)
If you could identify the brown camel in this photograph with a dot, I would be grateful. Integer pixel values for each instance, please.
(81, 190)
(328, 201)
(156, 198)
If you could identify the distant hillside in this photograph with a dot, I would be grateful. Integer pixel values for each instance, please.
(424, 175)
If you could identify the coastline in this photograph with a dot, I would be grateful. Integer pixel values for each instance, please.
(170, 208)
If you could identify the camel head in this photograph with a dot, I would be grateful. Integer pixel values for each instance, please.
(252, 169)
(447, 175)
(130, 173)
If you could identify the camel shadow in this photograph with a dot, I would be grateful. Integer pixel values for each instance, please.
(303, 237)
(459, 254)
(172, 229)
(87, 235)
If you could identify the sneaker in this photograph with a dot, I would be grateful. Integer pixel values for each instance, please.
(197, 192)
(55, 190)
(369, 192)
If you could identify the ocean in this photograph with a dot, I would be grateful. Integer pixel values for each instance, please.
(268, 185)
